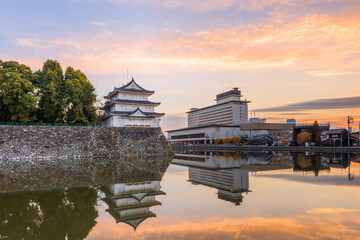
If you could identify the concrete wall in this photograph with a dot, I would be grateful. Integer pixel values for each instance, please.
(34, 142)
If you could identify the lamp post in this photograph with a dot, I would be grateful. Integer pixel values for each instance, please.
(350, 121)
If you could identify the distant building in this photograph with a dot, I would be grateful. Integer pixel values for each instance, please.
(128, 106)
(335, 137)
(130, 203)
(290, 121)
(257, 120)
(229, 110)
(306, 128)
(274, 130)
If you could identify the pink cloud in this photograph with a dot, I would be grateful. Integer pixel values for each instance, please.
(316, 42)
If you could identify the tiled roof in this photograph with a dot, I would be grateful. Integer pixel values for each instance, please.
(136, 102)
(125, 89)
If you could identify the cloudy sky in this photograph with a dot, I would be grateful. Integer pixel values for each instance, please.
(291, 58)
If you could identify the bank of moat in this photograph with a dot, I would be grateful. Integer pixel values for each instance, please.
(44, 142)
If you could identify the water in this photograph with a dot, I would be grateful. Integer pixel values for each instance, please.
(201, 195)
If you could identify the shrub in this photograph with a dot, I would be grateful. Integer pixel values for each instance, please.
(227, 140)
(236, 139)
(217, 140)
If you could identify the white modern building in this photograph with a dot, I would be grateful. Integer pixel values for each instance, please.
(130, 203)
(207, 134)
(128, 106)
(229, 110)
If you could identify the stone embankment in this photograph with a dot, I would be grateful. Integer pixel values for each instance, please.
(44, 142)
(45, 175)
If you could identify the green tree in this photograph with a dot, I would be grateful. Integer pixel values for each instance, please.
(315, 131)
(51, 83)
(17, 98)
(79, 97)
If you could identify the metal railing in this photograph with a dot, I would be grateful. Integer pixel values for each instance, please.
(49, 124)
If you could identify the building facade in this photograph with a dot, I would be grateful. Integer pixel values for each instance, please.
(274, 130)
(228, 110)
(128, 106)
(207, 134)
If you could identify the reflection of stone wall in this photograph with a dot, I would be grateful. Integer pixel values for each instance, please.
(44, 175)
(79, 142)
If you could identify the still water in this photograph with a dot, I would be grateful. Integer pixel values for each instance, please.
(200, 195)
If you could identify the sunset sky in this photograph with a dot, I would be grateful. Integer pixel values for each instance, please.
(291, 58)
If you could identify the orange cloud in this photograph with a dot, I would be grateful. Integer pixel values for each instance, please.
(316, 43)
(303, 227)
(332, 211)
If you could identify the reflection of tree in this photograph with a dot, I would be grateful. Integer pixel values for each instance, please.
(308, 163)
(66, 214)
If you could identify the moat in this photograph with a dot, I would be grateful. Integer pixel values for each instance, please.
(194, 195)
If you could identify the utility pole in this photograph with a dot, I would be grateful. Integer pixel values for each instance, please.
(350, 121)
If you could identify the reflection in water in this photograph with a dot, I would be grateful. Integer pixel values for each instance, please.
(66, 214)
(229, 172)
(44, 202)
(231, 183)
(130, 202)
(53, 205)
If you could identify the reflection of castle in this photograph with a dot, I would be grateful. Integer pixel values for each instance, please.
(231, 183)
(130, 202)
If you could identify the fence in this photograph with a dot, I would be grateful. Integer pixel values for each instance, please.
(49, 124)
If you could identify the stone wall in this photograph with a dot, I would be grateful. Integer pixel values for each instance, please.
(57, 174)
(45, 142)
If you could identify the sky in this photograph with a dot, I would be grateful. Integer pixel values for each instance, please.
(291, 58)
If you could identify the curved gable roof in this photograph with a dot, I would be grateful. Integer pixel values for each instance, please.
(133, 87)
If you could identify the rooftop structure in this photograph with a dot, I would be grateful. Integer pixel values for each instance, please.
(128, 106)
(274, 129)
(229, 109)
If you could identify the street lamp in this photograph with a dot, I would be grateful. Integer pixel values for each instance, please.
(350, 121)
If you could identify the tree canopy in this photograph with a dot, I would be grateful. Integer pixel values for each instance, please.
(17, 98)
(48, 95)
(302, 138)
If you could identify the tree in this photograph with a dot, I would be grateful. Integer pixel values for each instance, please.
(80, 97)
(68, 97)
(302, 138)
(51, 83)
(17, 98)
(236, 139)
(315, 131)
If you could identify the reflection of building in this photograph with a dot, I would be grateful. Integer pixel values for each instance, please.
(229, 109)
(129, 106)
(231, 183)
(130, 202)
(220, 160)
